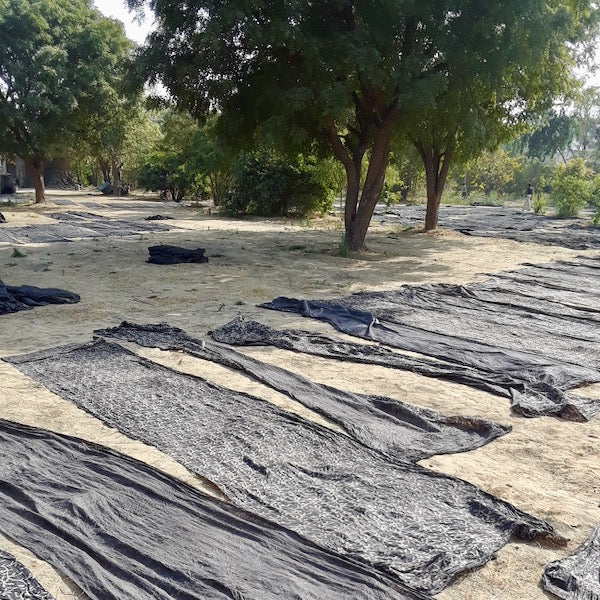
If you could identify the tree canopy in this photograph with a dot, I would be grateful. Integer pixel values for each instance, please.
(60, 65)
(348, 75)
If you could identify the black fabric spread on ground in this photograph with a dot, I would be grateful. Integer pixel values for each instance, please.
(530, 398)
(123, 530)
(576, 577)
(501, 222)
(400, 430)
(75, 225)
(17, 582)
(25, 297)
(544, 342)
(420, 527)
(172, 255)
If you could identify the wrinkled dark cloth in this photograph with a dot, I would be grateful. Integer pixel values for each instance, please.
(402, 431)
(550, 336)
(172, 255)
(500, 222)
(77, 225)
(17, 582)
(158, 218)
(421, 527)
(529, 398)
(576, 577)
(123, 530)
(25, 297)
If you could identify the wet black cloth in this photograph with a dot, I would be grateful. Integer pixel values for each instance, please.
(530, 398)
(123, 530)
(17, 582)
(500, 222)
(421, 527)
(548, 336)
(172, 255)
(576, 577)
(25, 297)
(402, 431)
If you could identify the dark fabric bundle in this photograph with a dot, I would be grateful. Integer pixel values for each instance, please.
(576, 577)
(420, 527)
(17, 582)
(158, 218)
(25, 297)
(529, 398)
(123, 530)
(172, 255)
(402, 431)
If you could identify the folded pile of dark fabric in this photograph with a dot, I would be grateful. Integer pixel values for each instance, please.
(171, 255)
(25, 297)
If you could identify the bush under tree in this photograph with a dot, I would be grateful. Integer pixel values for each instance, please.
(270, 185)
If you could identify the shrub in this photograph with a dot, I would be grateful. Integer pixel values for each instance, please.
(595, 200)
(269, 185)
(571, 188)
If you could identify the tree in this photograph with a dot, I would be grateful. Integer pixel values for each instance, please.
(492, 171)
(572, 188)
(506, 62)
(347, 74)
(60, 61)
(170, 164)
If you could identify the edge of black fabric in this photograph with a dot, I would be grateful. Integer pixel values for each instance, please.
(402, 431)
(577, 576)
(123, 529)
(546, 399)
(17, 582)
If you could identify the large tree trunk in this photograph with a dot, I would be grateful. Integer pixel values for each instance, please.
(358, 212)
(436, 163)
(35, 170)
(116, 177)
(356, 229)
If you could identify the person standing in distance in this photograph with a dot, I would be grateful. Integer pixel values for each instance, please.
(528, 197)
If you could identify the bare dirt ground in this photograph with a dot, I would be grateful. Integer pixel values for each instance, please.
(547, 467)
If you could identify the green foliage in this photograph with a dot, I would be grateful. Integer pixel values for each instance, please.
(572, 188)
(213, 160)
(491, 172)
(554, 136)
(61, 68)
(595, 199)
(170, 165)
(452, 77)
(267, 184)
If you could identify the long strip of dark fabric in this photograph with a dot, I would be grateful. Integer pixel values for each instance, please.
(530, 398)
(123, 530)
(576, 577)
(17, 582)
(541, 330)
(420, 527)
(402, 431)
